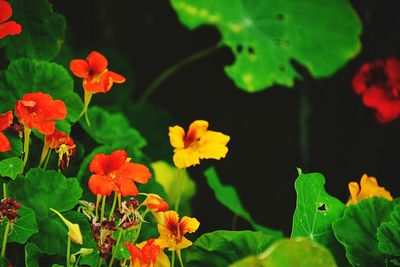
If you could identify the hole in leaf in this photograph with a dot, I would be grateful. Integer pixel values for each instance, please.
(239, 48)
(322, 207)
(250, 50)
(280, 17)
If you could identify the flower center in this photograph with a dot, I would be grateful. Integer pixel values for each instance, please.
(190, 138)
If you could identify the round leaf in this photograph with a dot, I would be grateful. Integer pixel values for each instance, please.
(23, 228)
(265, 35)
(11, 167)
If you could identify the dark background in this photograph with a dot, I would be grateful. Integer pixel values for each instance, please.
(344, 139)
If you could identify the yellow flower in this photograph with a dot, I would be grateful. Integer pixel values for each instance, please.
(74, 232)
(198, 143)
(172, 231)
(368, 188)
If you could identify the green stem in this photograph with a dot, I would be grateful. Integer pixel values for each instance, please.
(100, 261)
(174, 68)
(27, 133)
(103, 206)
(115, 248)
(68, 251)
(4, 244)
(87, 97)
(173, 259)
(181, 180)
(113, 206)
(178, 253)
(234, 221)
(5, 190)
(47, 159)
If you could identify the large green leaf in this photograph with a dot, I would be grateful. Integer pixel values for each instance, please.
(42, 190)
(23, 228)
(11, 167)
(27, 75)
(315, 212)
(297, 252)
(42, 30)
(32, 255)
(358, 228)
(265, 35)
(227, 196)
(112, 129)
(389, 234)
(221, 248)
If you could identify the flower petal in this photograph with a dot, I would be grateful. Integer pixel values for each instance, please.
(184, 158)
(126, 187)
(4, 143)
(5, 120)
(115, 161)
(188, 225)
(135, 172)
(45, 127)
(79, 68)
(199, 127)
(97, 164)
(176, 136)
(9, 28)
(5, 11)
(97, 63)
(56, 110)
(100, 185)
(213, 145)
(117, 78)
(94, 87)
(184, 243)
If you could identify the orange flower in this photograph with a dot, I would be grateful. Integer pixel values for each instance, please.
(7, 27)
(172, 231)
(5, 122)
(155, 203)
(147, 254)
(64, 146)
(39, 111)
(198, 143)
(96, 77)
(116, 173)
(368, 188)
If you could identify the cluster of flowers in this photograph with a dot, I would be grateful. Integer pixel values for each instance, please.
(8, 209)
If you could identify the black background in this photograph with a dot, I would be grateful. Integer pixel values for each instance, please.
(345, 140)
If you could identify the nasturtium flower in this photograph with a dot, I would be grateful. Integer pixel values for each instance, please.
(7, 27)
(147, 254)
(116, 173)
(155, 203)
(198, 143)
(172, 230)
(39, 111)
(378, 83)
(368, 188)
(74, 231)
(5, 122)
(62, 143)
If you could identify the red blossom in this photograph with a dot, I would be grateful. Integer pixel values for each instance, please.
(93, 70)
(145, 256)
(115, 173)
(5, 122)
(39, 111)
(378, 83)
(7, 27)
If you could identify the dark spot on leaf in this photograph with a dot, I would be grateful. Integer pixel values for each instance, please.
(281, 42)
(250, 50)
(239, 48)
(280, 17)
(282, 68)
(322, 207)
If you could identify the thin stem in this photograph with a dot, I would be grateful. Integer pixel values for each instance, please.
(86, 99)
(113, 206)
(115, 248)
(5, 190)
(47, 159)
(178, 253)
(27, 133)
(173, 259)
(98, 198)
(100, 261)
(5, 236)
(174, 68)
(103, 206)
(234, 221)
(181, 181)
(68, 251)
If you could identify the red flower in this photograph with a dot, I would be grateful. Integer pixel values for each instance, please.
(379, 85)
(5, 122)
(63, 144)
(115, 173)
(96, 77)
(147, 254)
(7, 27)
(39, 111)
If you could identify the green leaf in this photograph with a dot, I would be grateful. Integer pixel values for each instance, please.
(11, 167)
(297, 252)
(23, 228)
(27, 76)
(315, 212)
(167, 176)
(389, 234)
(42, 31)
(265, 35)
(42, 190)
(357, 230)
(112, 129)
(32, 255)
(227, 196)
(221, 248)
